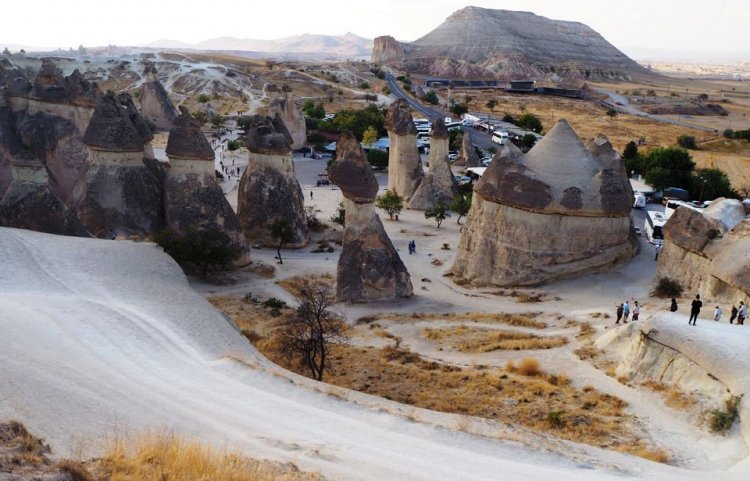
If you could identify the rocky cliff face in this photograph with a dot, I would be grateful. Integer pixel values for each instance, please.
(438, 185)
(269, 189)
(469, 157)
(369, 267)
(480, 42)
(707, 251)
(154, 101)
(292, 117)
(404, 165)
(555, 212)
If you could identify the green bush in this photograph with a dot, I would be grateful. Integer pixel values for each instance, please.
(431, 98)
(555, 419)
(721, 421)
(666, 287)
(377, 158)
(274, 303)
(687, 142)
(531, 122)
(202, 247)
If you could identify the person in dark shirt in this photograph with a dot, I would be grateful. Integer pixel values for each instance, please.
(695, 309)
(733, 315)
(673, 306)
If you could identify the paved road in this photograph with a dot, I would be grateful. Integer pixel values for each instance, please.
(622, 104)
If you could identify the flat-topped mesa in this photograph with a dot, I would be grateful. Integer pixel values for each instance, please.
(369, 267)
(708, 250)
(188, 149)
(268, 189)
(404, 164)
(439, 184)
(387, 50)
(557, 211)
(284, 107)
(112, 137)
(352, 172)
(154, 100)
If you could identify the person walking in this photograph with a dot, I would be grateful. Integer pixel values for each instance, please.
(414, 247)
(733, 314)
(658, 250)
(673, 305)
(741, 313)
(625, 312)
(619, 313)
(636, 311)
(695, 309)
(311, 195)
(717, 313)
(410, 251)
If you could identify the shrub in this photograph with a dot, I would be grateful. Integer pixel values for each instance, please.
(274, 303)
(509, 118)
(728, 134)
(377, 158)
(721, 421)
(529, 366)
(666, 287)
(390, 202)
(687, 142)
(431, 97)
(364, 85)
(530, 121)
(204, 247)
(555, 419)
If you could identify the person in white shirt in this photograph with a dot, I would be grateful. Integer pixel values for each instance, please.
(742, 313)
(717, 314)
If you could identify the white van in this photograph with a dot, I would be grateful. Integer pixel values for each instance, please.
(639, 200)
(500, 137)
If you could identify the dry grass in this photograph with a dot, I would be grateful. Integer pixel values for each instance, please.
(254, 321)
(527, 366)
(643, 450)
(167, 457)
(467, 339)
(520, 320)
(18, 446)
(587, 351)
(672, 396)
(585, 331)
(74, 471)
(294, 284)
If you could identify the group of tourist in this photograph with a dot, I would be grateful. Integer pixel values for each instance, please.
(412, 247)
(738, 313)
(624, 311)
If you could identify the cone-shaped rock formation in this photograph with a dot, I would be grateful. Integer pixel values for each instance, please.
(438, 185)
(557, 211)
(154, 100)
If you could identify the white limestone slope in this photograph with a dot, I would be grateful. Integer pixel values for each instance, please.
(98, 335)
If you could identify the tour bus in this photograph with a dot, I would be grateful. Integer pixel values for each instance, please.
(673, 204)
(500, 137)
(653, 226)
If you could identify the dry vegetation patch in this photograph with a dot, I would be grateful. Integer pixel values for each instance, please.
(294, 284)
(167, 457)
(471, 339)
(673, 397)
(520, 320)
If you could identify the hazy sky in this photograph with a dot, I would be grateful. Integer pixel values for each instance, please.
(631, 25)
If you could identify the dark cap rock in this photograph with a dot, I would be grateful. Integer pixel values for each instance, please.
(351, 171)
(186, 141)
(398, 119)
(439, 131)
(111, 128)
(140, 123)
(268, 135)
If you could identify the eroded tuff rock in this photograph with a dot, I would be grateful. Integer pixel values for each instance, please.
(404, 165)
(154, 100)
(469, 157)
(478, 42)
(558, 211)
(112, 129)
(708, 251)
(439, 184)
(369, 267)
(192, 197)
(268, 189)
(50, 85)
(29, 203)
(293, 119)
(11, 146)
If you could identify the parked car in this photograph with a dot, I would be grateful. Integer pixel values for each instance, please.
(452, 157)
(462, 180)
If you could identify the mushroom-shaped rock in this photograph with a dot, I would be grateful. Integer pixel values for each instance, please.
(557, 211)
(268, 188)
(154, 100)
(398, 119)
(111, 128)
(292, 117)
(186, 141)
(352, 172)
(439, 130)
(404, 164)
(49, 84)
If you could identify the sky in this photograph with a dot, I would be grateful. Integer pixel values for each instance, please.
(635, 26)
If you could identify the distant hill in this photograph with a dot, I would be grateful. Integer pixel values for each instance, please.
(306, 45)
(480, 42)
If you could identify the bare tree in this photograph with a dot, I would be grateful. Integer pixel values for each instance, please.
(314, 327)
